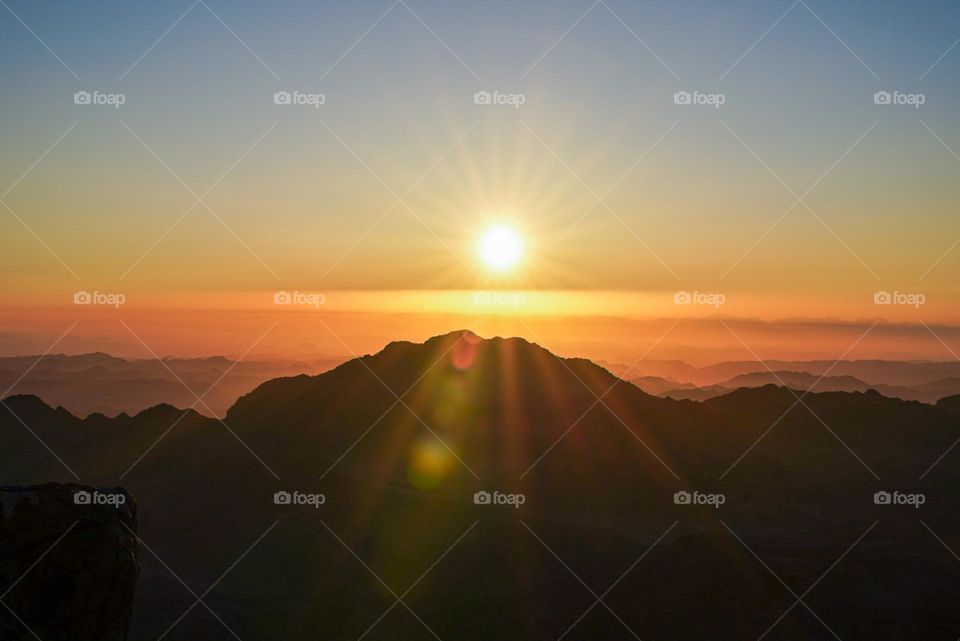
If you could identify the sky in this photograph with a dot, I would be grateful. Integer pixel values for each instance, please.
(787, 194)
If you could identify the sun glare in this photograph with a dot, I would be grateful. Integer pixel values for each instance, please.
(500, 247)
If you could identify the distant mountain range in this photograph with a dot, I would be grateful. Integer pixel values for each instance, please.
(399, 443)
(906, 380)
(98, 382)
(898, 373)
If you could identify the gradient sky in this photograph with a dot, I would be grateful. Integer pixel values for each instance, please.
(695, 196)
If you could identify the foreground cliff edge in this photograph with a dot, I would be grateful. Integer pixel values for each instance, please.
(68, 562)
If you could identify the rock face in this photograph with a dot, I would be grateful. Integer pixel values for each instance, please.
(67, 568)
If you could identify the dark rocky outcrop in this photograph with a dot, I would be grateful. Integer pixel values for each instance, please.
(950, 404)
(67, 570)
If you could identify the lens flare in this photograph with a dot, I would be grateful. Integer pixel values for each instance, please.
(430, 463)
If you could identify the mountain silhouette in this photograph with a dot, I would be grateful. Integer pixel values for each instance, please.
(875, 372)
(100, 383)
(927, 392)
(400, 442)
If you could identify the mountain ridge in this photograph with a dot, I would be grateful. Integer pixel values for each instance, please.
(399, 347)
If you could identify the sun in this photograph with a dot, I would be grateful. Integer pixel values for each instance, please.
(500, 247)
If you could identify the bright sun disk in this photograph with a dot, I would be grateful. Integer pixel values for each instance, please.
(500, 247)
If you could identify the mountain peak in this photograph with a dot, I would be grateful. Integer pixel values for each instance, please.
(31, 405)
(459, 359)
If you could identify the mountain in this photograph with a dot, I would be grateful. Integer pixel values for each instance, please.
(893, 373)
(798, 380)
(697, 393)
(658, 386)
(98, 382)
(929, 392)
(400, 442)
(793, 380)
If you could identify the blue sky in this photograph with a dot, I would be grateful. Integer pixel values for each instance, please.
(596, 99)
